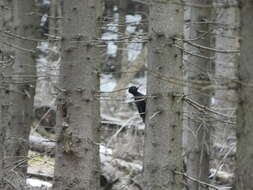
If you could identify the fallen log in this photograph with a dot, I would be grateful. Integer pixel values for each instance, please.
(42, 145)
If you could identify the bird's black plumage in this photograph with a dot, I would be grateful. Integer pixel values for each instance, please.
(140, 101)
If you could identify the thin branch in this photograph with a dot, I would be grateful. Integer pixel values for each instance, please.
(209, 48)
(196, 180)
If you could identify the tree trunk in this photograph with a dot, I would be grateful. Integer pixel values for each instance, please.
(6, 61)
(55, 19)
(197, 129)
(22, 87)
(2, 96)
(121, 58)
(225, 95)
(77, 154)
(244, 173)
(163, 141)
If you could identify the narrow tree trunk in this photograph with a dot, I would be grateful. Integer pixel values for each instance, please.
(121, 58)
(23, 86)
(6, 61)
(197, 156)
(56, 18)
(2, 96)
(225, 95)
(77, 154)
(163, 141)
(244, 153)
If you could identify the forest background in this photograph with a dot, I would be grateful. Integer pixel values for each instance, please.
(68, 121)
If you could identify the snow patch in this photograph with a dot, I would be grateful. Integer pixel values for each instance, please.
(38, 183)
(133, 19)
(107, 83)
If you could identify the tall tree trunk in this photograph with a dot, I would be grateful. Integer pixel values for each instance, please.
(225, 95)
(197, 156)
(6, 61)
(55, 19)
(121, 59)
(23, 85)
(163, 141)
(244, 173)
(77, 154)
(2, 95)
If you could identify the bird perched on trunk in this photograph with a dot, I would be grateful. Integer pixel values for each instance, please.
(140, 101)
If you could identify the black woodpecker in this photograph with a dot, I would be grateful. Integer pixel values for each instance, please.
(140, 101)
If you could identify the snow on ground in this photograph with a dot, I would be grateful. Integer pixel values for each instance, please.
(46, 2)
(43, 46)
(43, 19)
(132, 21)
(107, 83)
(105, 154)
(38, 183)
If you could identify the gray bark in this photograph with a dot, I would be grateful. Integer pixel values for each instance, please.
(2, 96)
(197, 129)
(225, 95)
(6, 61)
(244, 173)
(121, 58)
(22, 87)
(77, 154)
(163, 141)
(55, 20)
